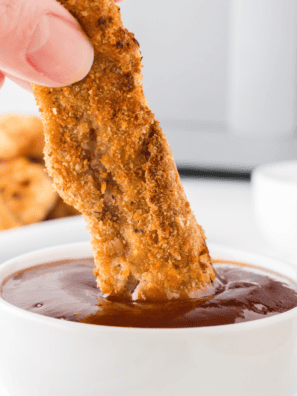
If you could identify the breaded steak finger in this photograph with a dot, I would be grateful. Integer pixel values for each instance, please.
(110, 159)
(20, 136)
(27, 190)
(7, 217)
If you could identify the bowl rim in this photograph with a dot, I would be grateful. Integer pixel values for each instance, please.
(85, 327)
(260, 173)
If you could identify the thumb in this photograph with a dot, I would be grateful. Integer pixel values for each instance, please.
(42, 43)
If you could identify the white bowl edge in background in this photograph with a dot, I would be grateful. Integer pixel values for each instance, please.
(275, 204)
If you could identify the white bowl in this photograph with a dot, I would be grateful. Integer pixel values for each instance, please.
(42, 356)
(275, 204)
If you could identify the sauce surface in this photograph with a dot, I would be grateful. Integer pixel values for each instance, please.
(67, 291)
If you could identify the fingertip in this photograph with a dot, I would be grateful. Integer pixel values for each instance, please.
(21, 83)
(2, 79)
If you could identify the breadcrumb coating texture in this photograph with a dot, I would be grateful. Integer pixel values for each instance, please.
(110, 159)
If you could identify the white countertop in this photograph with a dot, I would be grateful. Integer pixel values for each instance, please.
(222, 207)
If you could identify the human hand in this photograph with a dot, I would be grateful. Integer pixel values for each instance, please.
(41, 42)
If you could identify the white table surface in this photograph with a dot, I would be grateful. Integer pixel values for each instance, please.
(223, 208)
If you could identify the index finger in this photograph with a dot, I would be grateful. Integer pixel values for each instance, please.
(2, 78)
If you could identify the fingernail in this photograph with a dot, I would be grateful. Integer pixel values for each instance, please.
(60, 51)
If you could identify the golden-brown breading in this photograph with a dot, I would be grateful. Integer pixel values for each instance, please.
(20, 136)
(60, 210)
(110, 159)
(26, 190)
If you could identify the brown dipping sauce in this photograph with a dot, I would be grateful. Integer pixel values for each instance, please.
(67, 291)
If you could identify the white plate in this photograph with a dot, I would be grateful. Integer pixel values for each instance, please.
(37, 236)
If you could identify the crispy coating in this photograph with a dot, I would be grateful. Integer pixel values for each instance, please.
(60, 210)
(20, 136)
(110, 159)
(26, 191)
